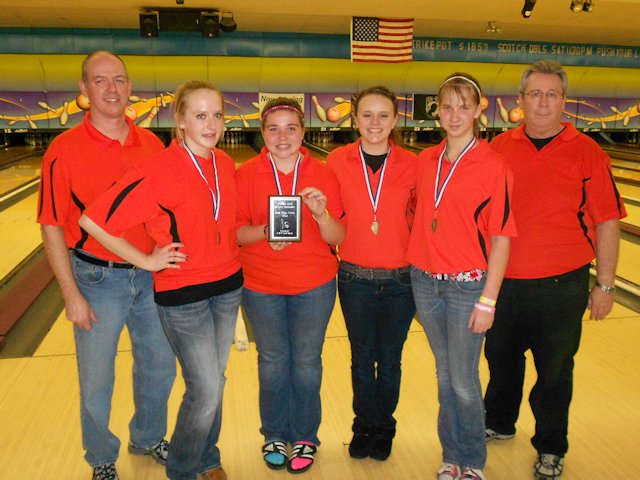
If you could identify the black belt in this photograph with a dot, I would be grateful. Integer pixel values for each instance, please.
(101, 263)
(372, 273)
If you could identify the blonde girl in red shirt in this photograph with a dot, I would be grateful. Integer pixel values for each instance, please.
(458, 250)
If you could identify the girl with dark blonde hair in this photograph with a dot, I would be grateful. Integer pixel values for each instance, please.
(186, 198)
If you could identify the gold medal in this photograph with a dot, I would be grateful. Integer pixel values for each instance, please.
(434, 224)
(374, 227)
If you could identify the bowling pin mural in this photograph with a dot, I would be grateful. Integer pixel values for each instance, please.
(320, 112)
(244, 122)
(484, 121)
(46, 107)
(31, 122)
(504, 115)
(146, 122)
(64, 116)
(346, 123)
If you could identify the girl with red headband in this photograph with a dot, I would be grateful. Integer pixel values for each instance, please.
(290, 287)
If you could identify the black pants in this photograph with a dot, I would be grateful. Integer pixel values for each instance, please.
(544, 315)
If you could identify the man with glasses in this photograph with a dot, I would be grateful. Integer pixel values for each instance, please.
(567, 209)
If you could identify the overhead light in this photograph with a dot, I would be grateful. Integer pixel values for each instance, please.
(528, 7)
(493, 28)
(577, 5)
(588, 6)
(227, 23)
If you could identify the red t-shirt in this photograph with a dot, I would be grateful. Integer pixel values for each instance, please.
(560, 192)
(79, 165)
(172, 200)
(361, 246)
(474, 207)
(301, 266)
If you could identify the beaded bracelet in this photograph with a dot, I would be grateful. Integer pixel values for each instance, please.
(485, 308)
(488, 301)
(325, 220)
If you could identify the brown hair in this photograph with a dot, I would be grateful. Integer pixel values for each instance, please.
(547, 67)
(383, 91)
(467, 88)
(284, 103)
(180, 101)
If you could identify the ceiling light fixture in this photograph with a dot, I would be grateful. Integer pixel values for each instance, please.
(588, 6)
(528, 7)
(493, 28)
(577, 5)
(227, 23)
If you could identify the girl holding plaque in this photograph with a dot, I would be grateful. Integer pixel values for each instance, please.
(459, 250)
(290, 286)
(186, 198)
(377, 181)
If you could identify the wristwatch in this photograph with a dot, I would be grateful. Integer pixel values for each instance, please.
(611, 289)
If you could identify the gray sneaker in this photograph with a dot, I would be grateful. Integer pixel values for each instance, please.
(158, 452)
(548, 466)
(492, 435)
(105, 472)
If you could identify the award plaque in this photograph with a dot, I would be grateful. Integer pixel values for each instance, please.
(285, 218)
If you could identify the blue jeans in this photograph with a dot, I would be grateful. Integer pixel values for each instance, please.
(378, 314)
(289, 331)
(445, 307)
(121, 297)
(201, 334)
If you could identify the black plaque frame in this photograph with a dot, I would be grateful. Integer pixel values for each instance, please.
(285, 218)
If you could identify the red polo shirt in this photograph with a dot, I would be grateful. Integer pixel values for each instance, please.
(361, 246)
(560, 192)
(474, 207)
(170, 199)
(79, 165)
(301, 266)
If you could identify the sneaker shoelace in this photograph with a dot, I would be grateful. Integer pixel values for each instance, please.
(161, 449)
(471, 474)
(551, 463)
(106, 472)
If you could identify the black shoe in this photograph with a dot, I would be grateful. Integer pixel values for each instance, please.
(361, 442)
(381, 444)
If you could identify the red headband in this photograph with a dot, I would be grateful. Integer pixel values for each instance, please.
(282, 106)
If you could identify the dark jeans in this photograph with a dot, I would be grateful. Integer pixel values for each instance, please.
(378, 314)
(544, 315)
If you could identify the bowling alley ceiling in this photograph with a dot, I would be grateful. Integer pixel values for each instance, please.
(611, 21)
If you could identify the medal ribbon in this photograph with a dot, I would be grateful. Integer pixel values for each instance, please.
(215, 198)
(367, 180)
(294, 187)
(438, 193)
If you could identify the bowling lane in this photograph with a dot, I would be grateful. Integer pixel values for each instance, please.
(629, 261)
(626, 174)
(20, 233)
(6, 154)
(625, 164)
(19, 174)
(239, 152)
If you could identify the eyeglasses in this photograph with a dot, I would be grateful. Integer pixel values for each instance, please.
(551, 95)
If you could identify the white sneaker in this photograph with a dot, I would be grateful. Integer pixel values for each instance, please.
(548, 466)
(493, 435)
(448, 471)
(472, 474)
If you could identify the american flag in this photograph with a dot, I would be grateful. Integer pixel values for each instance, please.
(381, 40)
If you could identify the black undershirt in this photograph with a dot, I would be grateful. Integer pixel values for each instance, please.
(540, 143)
(374, 161)
(197, 293)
